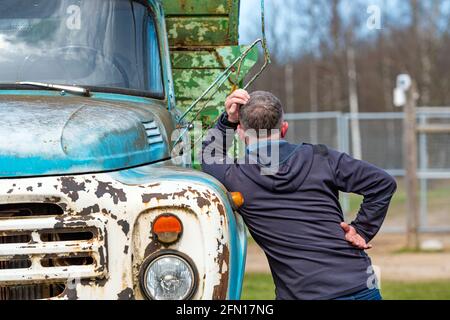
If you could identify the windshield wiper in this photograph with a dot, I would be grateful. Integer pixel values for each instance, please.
(68, 88)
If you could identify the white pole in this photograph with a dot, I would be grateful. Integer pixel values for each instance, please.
(354, 104)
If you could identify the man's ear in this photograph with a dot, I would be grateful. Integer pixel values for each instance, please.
(242, 134)
(284, 129)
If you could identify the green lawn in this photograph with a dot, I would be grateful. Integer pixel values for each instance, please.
(260, 287)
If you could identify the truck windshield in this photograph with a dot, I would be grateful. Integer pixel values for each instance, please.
(108, 45)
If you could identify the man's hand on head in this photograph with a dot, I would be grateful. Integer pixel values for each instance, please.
(233, 102)
(354, 238)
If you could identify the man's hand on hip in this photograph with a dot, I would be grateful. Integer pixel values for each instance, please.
(234, 102)
(354, 238)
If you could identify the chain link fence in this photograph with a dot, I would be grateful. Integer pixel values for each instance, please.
(382, 144)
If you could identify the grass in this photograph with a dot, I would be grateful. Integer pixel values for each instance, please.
(437, 198)
(261, 287)
(436, 193)
(408, 250)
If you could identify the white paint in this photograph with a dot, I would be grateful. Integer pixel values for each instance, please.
(202, 234)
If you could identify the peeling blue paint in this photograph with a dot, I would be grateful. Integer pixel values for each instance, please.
(49, 135)
(94, 95)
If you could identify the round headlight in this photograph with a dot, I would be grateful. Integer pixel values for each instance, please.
(168, 277)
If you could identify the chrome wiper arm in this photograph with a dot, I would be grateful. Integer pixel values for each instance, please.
(60, 87)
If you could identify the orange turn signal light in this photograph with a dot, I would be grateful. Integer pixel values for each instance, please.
(167, 228)
(238, 199)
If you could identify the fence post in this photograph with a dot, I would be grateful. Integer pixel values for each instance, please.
(411, 181)
(423, 163)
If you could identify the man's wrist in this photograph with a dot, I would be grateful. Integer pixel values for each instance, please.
(359, 231)
(225, 121)
(233, 121)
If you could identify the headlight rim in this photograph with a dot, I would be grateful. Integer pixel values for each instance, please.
(148, 260)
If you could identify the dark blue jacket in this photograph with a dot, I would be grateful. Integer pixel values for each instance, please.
(295, 214)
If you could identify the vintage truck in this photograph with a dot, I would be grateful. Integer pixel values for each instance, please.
(93, 204)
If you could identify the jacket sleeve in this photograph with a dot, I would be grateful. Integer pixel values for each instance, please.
(374, 184)
(214, 159)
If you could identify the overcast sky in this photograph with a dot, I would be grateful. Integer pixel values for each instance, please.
(250, 26)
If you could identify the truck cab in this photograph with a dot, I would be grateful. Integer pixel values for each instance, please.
(93, 204)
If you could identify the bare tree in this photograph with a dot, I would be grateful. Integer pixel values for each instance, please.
(313, 55)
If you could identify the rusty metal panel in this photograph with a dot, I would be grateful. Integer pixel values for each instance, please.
(202, 22)
(194, 71)
(197, 7)
(201, 59)
(194, 31)
(121, 210)
(203, 37)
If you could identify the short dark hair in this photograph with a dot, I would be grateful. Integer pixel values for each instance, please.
(262, 111)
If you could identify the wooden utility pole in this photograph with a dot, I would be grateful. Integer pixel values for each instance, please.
(410, 158)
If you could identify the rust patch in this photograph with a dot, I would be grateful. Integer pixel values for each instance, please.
(221, 209)
(126, 294)
(220, 290)
(196, 192)
(71, 188)
(101, 282)
(88, 210)
(107, 188)
(152, 248)
(103, 253)
(63, 206)
(201, 202)
(154, 185)
(179, 194)
(70, 293)
(52, 200)
(59, 224)
(146, 198)
(125, 226)
(71, 221)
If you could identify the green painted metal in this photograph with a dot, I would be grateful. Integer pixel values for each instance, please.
(191, 81)
(202, 22)
(197, 7)
(192, 31)
(203, 38)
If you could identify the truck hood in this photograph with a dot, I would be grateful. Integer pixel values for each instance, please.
(65, 135)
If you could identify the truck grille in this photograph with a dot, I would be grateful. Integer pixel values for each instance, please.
(15, 210)
(42, 249)
(31, 292)
(25, 292)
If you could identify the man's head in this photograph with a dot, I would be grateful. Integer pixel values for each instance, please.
(262, 115)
